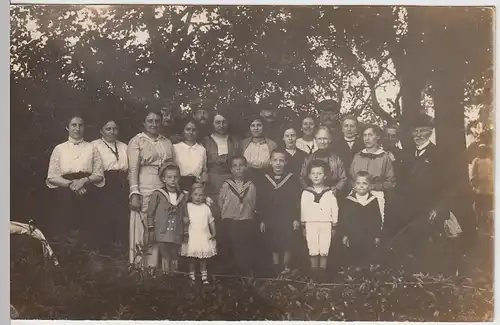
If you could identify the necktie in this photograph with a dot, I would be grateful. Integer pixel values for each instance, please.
(418, 152)
(311, 148)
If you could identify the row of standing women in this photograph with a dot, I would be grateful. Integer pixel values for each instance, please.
(93, 180)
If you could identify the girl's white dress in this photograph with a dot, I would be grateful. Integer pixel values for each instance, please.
(199, 244)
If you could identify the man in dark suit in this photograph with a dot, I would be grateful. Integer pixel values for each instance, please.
(350, 143)
(421, 205)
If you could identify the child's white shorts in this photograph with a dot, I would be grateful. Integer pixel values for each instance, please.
(319, 237)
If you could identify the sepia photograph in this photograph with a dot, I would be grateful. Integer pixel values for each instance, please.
(252, 162)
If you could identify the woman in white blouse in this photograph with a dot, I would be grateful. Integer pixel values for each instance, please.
(191, 157)
(75, 167)
(112, 198)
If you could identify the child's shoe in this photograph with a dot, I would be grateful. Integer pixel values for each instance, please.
(192, 276)
(204, 277)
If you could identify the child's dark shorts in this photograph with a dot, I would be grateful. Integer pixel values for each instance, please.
(169, 250)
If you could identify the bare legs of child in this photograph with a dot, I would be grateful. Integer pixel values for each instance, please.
(203, 270)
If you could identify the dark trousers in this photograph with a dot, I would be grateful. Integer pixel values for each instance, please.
(238, 239)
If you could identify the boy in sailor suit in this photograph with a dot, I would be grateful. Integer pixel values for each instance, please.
(277, 210)
(237, 199)
(360, 223)
(167, 219)
(318, 215)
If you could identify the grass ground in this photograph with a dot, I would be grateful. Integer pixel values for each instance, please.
(395, 287)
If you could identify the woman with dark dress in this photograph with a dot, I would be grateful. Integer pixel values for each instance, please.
(295, 157)
(75, 168)
(112, 205)
(221, 147)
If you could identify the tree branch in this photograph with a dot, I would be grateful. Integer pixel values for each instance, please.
(373, 95)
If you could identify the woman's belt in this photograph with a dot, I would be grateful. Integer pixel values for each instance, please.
(115, 173)
(73, 176)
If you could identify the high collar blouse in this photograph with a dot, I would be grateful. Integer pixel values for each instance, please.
(109, 160)
(258, 153)
(142, 152)
(378, 165)
(72, 157)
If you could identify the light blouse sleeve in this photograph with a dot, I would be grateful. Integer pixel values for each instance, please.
(389, 178)
(342, 175)
(172, 157)
(303, 207)
(97, 166)
(54, 167)
(204, 170)
(133, 155)
(204, 161)
(334, 210)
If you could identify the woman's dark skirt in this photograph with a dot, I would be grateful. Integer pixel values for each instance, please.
(72, 212)
(112, 211)
(186, 183)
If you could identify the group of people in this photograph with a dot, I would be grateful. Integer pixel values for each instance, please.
(204, 192)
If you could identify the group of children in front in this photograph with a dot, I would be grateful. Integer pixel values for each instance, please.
(275, 203)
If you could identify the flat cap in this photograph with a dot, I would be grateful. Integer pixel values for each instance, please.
(328, 105)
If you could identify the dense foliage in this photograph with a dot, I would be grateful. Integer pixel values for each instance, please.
(91, 286)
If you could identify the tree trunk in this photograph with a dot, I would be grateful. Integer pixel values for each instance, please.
(449, 82)
(411, 69)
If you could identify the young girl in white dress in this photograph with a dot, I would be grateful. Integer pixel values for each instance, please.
(201, 242)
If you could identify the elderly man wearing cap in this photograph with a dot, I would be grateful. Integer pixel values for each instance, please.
(329, 111)
(420, 191)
